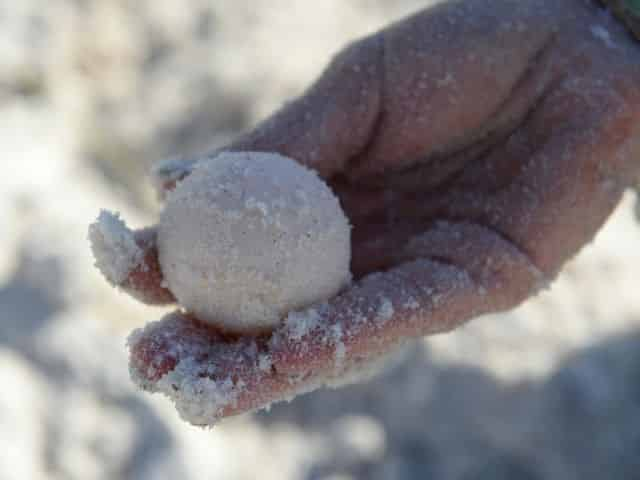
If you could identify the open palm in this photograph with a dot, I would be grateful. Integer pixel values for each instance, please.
(475, 147)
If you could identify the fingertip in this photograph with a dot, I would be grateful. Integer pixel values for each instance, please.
(206, 375)
(150, 358)
(156, 348)
(114, 247)
(129, 259)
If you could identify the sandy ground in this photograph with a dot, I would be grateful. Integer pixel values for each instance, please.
(90, 93)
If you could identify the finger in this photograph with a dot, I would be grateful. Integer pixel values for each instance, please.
(330, 123)
(128, 259)
(452, 273)
(206, 375)
(209, 377)
(146, 281)
(334, 119)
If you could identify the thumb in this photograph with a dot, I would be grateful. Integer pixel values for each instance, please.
(332, 122)
(334, 119)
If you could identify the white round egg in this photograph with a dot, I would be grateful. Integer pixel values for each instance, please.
(248, 237)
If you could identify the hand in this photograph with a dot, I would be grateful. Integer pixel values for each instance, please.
(475, 147)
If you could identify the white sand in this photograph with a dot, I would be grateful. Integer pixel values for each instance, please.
(248, 237)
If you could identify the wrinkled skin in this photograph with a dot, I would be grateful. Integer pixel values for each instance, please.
(475, 146)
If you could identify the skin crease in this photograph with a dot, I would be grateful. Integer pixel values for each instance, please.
(475, 146)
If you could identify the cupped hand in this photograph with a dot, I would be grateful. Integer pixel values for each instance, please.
(475, 147)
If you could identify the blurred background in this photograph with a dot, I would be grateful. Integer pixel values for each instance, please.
(91, 93)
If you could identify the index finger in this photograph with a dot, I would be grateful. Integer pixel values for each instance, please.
(209, 376)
